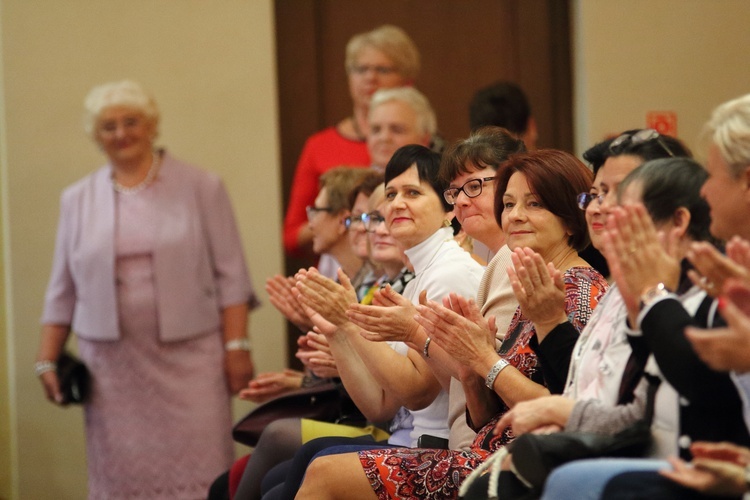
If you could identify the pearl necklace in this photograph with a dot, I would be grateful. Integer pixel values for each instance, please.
(156, 156)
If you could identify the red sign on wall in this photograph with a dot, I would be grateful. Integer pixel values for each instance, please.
(664, 122)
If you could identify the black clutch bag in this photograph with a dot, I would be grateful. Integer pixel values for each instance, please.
(75, 380)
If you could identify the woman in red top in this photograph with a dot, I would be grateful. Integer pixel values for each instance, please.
(383, 58)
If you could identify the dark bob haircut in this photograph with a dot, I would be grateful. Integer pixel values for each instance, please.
(668, 184)
(485, 147)
(653, 149)
(428, 168)
(556, 178)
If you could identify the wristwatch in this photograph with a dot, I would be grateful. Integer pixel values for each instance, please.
(652, 294)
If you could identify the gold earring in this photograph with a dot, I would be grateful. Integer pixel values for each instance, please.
(446, 223)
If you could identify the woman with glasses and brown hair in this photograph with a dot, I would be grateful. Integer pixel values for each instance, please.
(612, 160)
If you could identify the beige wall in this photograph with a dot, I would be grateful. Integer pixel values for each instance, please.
(211, 67)
(685, 56)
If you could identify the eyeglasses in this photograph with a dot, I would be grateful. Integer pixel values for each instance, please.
(372, 221)
(585, 199)
(378, 70)
(369, 221)
(354, 220)
(472, 189)
(312, 210)
(617, 146)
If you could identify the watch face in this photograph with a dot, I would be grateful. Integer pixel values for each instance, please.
(653, 293)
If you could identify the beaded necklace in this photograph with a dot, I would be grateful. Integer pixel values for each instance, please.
(156, 156)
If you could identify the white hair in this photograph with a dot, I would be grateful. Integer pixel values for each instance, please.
(125, 93)
(413, 98)
(729, 130)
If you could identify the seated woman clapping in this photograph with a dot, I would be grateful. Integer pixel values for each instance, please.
(416, 217)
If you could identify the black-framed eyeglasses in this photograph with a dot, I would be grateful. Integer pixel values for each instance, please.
(472, 189)
(617, 146)
(311, 210)
(585, 199)
(372, 221)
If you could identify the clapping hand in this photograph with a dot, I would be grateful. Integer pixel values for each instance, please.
(459, 328)
(325, 296)
(392, 321)
(727, 348)
(637, 258)
(317, 357)
(280, 294)
(539, 289)
(712, 269)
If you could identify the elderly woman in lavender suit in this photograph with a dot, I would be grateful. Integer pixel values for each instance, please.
(149, 272)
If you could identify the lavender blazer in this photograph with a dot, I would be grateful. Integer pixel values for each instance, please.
(198, 262)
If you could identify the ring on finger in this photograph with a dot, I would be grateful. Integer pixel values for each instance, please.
(705, 283)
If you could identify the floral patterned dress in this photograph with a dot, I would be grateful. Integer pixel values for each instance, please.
(437, 474)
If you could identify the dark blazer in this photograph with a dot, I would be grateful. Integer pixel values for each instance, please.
(710, 406)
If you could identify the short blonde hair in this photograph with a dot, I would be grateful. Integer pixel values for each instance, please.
(391, 41)
(729, 129)
(339, 183)
(123, 93)
(427, 122)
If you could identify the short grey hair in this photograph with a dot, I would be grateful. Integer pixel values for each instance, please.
(729, 129)
(416, 100)
(125, 93)
(391, 41)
